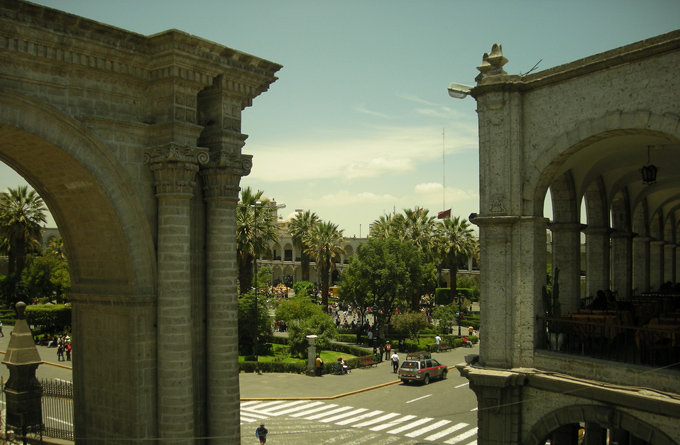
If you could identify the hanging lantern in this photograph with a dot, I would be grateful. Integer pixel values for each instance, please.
(648, 172)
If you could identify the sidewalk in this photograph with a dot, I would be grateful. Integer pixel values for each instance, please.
(329, 386)
(273, 385)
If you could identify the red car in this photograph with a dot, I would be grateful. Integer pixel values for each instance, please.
(421, 367)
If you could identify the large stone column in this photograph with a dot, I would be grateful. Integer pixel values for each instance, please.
(669, 263)
(566, 256)
(221, 183)
(597, 259)
(641, 264)
(499, 398)
(622, 267)
(174, 169)
(656, 264)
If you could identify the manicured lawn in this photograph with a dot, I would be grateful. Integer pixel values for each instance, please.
(280, 354)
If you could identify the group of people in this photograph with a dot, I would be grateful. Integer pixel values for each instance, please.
(63, 345)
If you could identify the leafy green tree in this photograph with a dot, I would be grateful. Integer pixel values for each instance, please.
(254, 324)
(410, 323)
(255, 231)
(297, 308)
(22, 212)
(324, 243)
(300, 226)
(304, 288)
(446, 317)
(46, 276)
(303, 318)
(264, 276)
(385, 274)
(319, 324)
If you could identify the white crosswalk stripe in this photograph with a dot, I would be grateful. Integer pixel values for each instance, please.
(462, 437)
(314, 410)
(447, 431)
(376, 420)
(410, 426)
(358, 418)
(393, 423)
(427, 428)
(343, 415)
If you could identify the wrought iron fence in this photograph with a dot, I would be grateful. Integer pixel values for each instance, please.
(57, 408)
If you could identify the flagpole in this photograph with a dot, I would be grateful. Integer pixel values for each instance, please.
(443, 169)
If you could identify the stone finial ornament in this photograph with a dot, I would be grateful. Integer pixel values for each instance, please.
(492, 64)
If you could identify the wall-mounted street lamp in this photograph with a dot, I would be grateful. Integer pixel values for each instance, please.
(459, 91)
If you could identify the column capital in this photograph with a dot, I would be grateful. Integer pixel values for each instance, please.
(222, 181)
(642, 239)
(174, 167)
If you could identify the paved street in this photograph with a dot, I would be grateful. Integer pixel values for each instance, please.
(366, 406)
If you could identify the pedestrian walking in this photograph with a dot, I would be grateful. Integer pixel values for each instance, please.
(388, 350)
(1, 333)
(261, 433)
(395, 362)
(438, 340)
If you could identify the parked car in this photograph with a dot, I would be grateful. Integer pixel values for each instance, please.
(421, 367)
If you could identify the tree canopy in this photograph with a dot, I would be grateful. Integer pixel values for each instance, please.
(384, 275)
(22, 213)
(324, 246)
(255, 231)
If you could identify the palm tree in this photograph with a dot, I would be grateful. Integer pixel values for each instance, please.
(324, 243)
(21, 214)
(300, 225)
(457, 240)
(420, 230)
(255, 231)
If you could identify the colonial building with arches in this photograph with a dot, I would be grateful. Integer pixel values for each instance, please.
(552, 365)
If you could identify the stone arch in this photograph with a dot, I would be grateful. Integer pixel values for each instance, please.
(102, 225)
(606, 417)
(585, 133)
(349, 252)
(109, 245)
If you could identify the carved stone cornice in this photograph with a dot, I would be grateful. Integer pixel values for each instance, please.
(174, 167)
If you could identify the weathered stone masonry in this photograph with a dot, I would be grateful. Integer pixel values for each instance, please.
(134, 143)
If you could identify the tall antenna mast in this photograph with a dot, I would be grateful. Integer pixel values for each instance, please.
(443, 169)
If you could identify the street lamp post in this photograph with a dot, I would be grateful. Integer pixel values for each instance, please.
(256, 320)
(460, 314)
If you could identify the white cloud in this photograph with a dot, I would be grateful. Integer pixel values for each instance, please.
(414, 98)
(429, 187)
(364, 110)
(384, 150)
(347, 198)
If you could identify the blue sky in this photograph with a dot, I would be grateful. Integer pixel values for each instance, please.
(353, 127)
